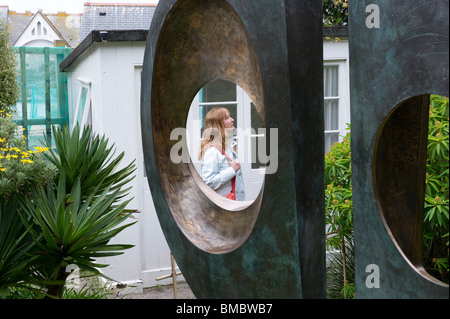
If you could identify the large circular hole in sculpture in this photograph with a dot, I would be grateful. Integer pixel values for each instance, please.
(403, 185)
(201, 41)
(246, 138)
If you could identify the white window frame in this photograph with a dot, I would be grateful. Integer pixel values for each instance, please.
(343, 95)
(87, 107)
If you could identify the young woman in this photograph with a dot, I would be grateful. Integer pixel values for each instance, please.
(220, 168)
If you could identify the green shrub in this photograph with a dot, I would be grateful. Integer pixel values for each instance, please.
(339, 208)
(21, 168)
(71, 202)
(335, 12)
(9, 91)
(435, 254)
(339, 220)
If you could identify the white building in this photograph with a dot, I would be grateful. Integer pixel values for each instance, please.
(104, 91)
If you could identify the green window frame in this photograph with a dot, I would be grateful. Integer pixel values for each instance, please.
(43, 100)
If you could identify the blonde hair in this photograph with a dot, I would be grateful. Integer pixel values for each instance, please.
(214, 130)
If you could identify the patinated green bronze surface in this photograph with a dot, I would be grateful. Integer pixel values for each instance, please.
(398, 56)
(274, 248)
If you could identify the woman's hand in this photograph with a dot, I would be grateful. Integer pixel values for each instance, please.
(234, 164)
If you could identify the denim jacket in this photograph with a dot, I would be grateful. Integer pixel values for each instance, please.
(217, 173)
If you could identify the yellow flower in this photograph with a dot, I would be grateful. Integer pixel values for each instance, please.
(39, 149)
(26, 161)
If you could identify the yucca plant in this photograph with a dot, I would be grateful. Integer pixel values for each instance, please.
(82, 155)
(71, 230)
(76, 215)
(16, 249)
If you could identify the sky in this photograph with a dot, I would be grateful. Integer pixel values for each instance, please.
(53, 6)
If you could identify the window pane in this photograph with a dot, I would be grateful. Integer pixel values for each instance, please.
(330, 139)
(35, 78)
(81, 107)
(331, 104)
(53, 71)
(37, 135)
(218, 91)
(330, 81)
(232, 108)
(331, 115)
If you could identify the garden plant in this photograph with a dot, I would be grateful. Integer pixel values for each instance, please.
(62, 206)
(335, 12)
(70, 219)
(59, 205)
(20, 170)
(339, 209)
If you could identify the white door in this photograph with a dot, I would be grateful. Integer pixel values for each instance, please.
(154, 250)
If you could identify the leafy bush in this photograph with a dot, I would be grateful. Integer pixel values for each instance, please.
(339, 208)
(435, 256)
(335, 12)
(20, 168)
(58, 210)
(339, 220)
(9, 91)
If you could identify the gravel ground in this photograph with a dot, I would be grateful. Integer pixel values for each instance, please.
(164, 292)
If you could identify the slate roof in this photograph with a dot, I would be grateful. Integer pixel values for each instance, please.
(66, 25)
(96, 16)
(116, 16)
(17, 24)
